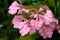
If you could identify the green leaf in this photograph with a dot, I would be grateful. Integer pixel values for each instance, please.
(52, 5)
(29, 37)
(58, 10)
(32, 2)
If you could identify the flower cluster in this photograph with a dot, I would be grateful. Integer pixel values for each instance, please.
(41, 20)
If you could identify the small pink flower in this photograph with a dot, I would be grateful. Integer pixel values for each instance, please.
(34, 24)
(46, 31)
(13, 8)
(24, 28)
(14, 4)
(49, 14)
(48, 17)
(12, 11)
(16, 20)
(22, 24)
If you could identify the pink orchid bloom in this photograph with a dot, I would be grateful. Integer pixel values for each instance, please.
(34, 24)
(14, 4)
(22, 24)
(24, 28)
(41, 21)
(13, 8)
(16, 7)
(48, 17)
(17, 20)
(49, 13)
(46, 31)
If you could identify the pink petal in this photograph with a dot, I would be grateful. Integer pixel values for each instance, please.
(32, 22)
(17, 19)
(26, 10)
(12, 11)
(16, 25)
(13, 8)
(32, 31)
(20, 11)
(21, 25)
(25, 30)
(49, 13)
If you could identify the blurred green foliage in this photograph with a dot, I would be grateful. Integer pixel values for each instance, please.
(7, 32)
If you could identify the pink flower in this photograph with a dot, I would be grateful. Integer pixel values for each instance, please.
(41, 21)
(24, 28)
(34, 24)
(13, 8)
(49, 14)
(46, 31)
(14, 4)
(22, 24)
(12, 11)
(48, 17)
(16, 20)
